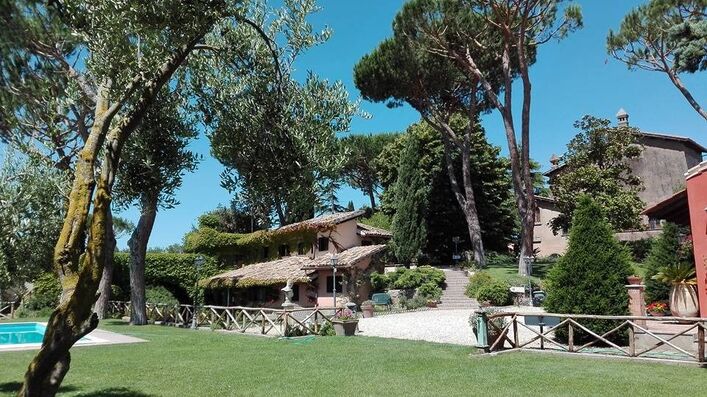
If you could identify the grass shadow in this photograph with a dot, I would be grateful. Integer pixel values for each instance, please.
(14, 387)
(116, 392)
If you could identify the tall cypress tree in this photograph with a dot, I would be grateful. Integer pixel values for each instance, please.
(411, 192)
(591, 277)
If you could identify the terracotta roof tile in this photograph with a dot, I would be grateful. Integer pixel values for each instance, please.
(347, 258)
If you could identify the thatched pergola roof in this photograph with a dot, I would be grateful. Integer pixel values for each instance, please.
(262, 274)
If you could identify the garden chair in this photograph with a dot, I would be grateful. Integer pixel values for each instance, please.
(382, 299)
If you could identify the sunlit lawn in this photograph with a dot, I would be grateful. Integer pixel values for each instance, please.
(181, 362)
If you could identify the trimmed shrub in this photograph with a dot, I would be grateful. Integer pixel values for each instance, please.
(591, 277)
(476, 281)
(430, 290)
(403, 278)
(497, 293)
(639, 249)
(160, 294)
(412, 303)
(45, 294)
(495, 259)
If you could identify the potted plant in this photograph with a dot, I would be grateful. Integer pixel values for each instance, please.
(683, 295)
(345, 323)
(431, 303)
(367, 308)
(634, 279)
(657, 309)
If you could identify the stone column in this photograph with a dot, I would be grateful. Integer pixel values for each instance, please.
(636, 301)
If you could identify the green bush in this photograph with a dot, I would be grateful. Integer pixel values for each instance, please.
(403, 278)
(327, 329)
(379, 282)
(476, 281)
(667, 251)
(639, 249)
(173, 271)
(591, 277)
(414, 278)
(430, 290)
(413, 303)
(45, 294)
(497, 293)
(159, 294)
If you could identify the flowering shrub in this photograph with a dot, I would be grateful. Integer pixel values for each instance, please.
(345, 315)
(657, 307)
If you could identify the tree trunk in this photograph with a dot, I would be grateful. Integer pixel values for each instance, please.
(686, 93)
(138, 249)
(526, 240)
(104, 288)
(372, 196)
(73, 318)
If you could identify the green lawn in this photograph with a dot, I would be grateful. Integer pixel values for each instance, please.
(509, 272)
(181, 362)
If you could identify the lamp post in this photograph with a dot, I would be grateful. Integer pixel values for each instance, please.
(198, 262)
(529, 270)
(455, 256)
(334, 262)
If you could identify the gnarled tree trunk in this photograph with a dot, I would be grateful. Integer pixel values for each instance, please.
(104, 288)
(138, 249)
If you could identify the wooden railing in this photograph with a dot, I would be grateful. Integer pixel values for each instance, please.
(7, 310)
(636, 328)
(264, 321)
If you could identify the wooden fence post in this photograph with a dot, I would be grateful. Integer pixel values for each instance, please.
(631, 341)
(515, 332)
(700, 343)
(570, 337)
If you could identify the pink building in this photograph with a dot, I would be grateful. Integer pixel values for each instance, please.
(688, 207)
(357, 248)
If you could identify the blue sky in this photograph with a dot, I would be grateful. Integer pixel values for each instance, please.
(570, 79)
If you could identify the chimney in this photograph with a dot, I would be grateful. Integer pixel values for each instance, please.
(554, 160)
(622, 117)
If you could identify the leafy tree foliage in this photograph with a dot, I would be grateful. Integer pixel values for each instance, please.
(118, 55)
(591, 277)
(156, 157)
(32, 195)
(360, 170)
(234, 219)
(475, 35)
(668, 250)
(667, 36)
(275, 135)
(443, 217)
(597, 163)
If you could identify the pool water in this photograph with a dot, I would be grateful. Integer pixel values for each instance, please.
(21, 333)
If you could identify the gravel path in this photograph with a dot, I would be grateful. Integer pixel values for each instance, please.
(441, 326)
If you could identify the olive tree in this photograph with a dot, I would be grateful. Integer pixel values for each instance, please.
(121, 55)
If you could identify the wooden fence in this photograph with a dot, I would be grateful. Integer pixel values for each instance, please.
(517, 334)
(7, 310)
(258, 320)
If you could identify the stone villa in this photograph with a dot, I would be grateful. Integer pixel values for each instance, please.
(662, 166)
(355, 246)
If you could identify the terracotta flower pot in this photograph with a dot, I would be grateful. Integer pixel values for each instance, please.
(657, 314)
(431, 304)
(367, 311)
(634, 280)
(683, 300)
(345, 328)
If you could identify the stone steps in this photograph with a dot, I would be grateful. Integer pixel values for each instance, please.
(453, 295)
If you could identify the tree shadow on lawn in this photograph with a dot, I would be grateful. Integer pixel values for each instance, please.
(115, 392)
(14, 387)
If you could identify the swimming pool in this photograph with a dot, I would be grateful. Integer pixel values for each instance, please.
(21, 333)
(14, 336)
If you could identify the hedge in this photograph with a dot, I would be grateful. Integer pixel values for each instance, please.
(173, 271)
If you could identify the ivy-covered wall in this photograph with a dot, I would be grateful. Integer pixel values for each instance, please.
(234, 248)
(175, 272)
